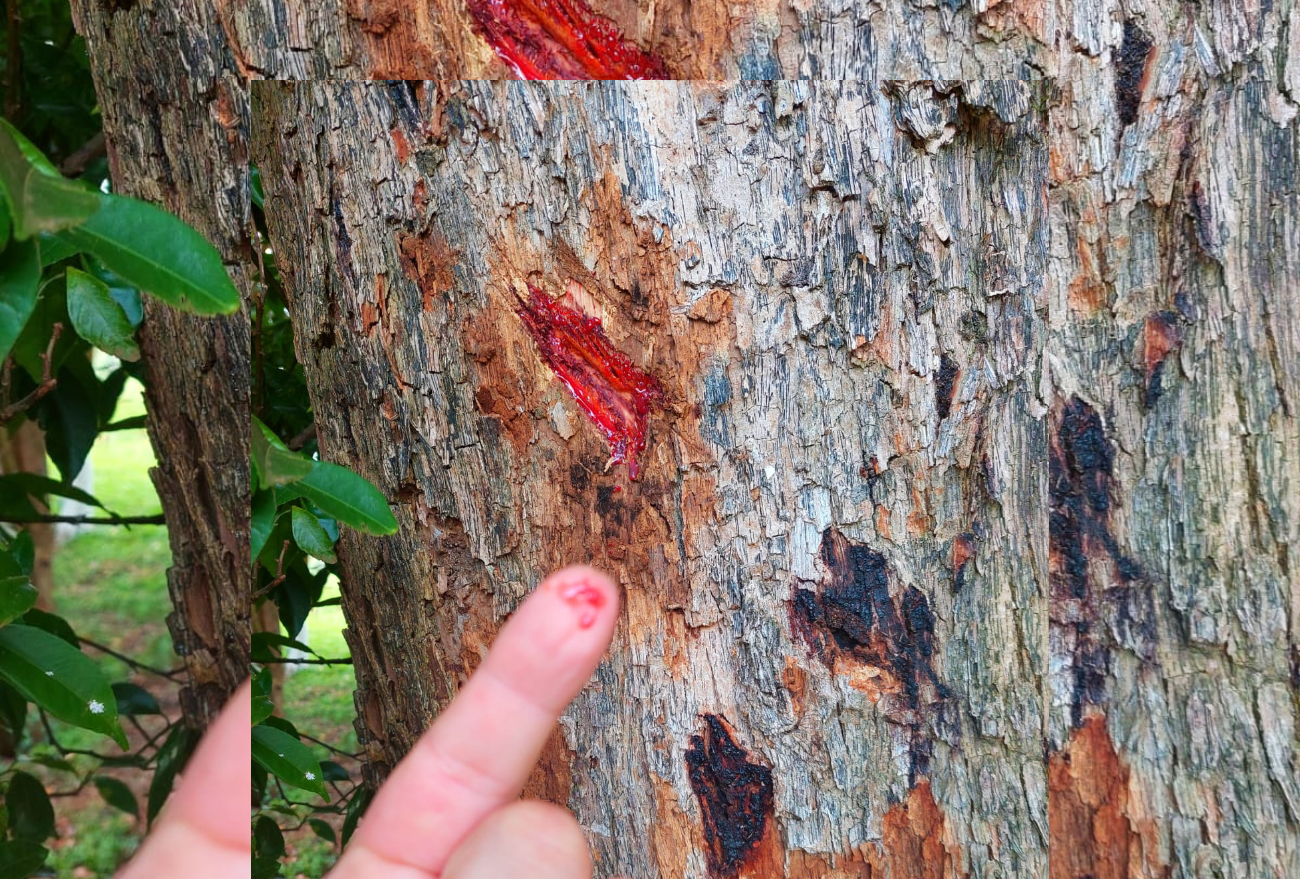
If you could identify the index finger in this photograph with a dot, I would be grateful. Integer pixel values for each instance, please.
(480, 751)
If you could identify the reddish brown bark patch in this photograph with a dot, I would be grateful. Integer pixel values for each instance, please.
(427, 260)
(963, 550)
(1093, 830)
(1160, 337)
(615, 395)
(913, 843)
(735, 797)
(560, 39)
(884, 642)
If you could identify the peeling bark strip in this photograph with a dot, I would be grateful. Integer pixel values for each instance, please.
(616, 396)
(735, 797)
(1094, 832)
(856, 619)
(560, 39)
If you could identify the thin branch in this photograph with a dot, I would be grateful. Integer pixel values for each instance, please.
(303, 438)
(280, 575)
(330, 747)
(88, 520)
(47, 384)
(88, 152)
(347, 660)
(171, 674)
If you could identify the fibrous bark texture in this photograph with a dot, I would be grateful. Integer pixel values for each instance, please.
(176, 119)
(831, 659)
(1175, 479)
(696, 39)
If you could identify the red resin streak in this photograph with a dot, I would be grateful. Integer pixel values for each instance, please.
(582, 594)
(616, 395)
(560, 39)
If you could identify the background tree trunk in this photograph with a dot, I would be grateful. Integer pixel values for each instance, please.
(176, 120)
(831, 660)
(697, 39)
(1175, 494)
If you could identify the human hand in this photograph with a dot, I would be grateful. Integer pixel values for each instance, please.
(450, 809)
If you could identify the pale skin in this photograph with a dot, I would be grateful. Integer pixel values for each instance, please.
(451, 809)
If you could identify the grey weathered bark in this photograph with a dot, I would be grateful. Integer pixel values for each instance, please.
(176, 118)
(1175, 351)
(834, 563)
(697, 39)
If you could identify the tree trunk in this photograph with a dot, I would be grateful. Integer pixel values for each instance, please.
(832, 654)
(1175, 484)
(176, 120)
(696, 39)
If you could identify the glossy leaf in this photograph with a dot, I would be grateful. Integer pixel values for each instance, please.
(30, 814)
(288, 759)
(117, 795)
(20, 281)
(39, 486)
(17, 594)
(348, 498)
(264, 641)
(157, 252)
(60, 679)
(311, 537)
(273, 463)
(268, 841)
(20, 858)
(261, 521)
(263, 707)
(98, 318)
(135, 700)
(52, 623)
(323, 830)
(40, 198)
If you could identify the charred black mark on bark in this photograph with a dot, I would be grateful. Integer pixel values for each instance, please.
(1080, 472)
(856, 617)
(578, 477)
(945, 383)
(1129, 68)
(735, 797)
(405, 103)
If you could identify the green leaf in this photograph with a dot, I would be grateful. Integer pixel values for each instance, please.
(172, 757)
(53, 250)
(52, 623)
(273, 463)
(264, 641)
(60, 679)
(263, 707)
(333, 771)
(323, 830)
(356, 809)
(21, 858)
(30, 814)
(20, 282)
(98, 318)
(117, 795)
(157, 252)
(265, 868)
(348, 498)
(288, 759)
(51, 309)
(42, 200)
(17, 594)
(311, 537)
(262, 520)
(13, 712)
(70, 418)
(135, 700)
(39, 486)
(268, 841)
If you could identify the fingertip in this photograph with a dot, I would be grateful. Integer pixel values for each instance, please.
(589, 593)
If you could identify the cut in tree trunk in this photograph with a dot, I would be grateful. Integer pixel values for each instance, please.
(695, 39)
(1175, 473)
(176, 119)
(831, 659)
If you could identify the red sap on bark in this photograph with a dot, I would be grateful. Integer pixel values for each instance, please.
(616, 396)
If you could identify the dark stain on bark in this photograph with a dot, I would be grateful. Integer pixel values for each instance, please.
(735, 796)
(1160, 337)
(405, 103)
(1129, 70)
(963, 550)
(945, 383)
(855, 617)
(1080, 471)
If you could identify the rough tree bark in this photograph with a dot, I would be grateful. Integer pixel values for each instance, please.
(176, 119)
(1175, 484)
(697, 39)
(832, 657)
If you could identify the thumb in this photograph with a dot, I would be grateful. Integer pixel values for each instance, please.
(527, 839)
